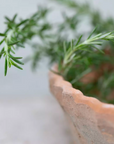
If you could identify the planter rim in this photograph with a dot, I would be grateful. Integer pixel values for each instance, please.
(57, 81)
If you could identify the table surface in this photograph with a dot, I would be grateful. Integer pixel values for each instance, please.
(33, 121)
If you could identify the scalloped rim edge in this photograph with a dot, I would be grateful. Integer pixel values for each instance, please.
(78, 96)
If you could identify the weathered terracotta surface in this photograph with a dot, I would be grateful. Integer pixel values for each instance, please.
(92, 121)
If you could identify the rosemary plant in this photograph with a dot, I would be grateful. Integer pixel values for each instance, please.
(77, 58)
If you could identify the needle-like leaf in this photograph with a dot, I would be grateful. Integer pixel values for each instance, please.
(17, 66)
(6, 66)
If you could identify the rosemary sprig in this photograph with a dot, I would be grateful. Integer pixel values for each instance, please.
(18, 33)
(91, 41)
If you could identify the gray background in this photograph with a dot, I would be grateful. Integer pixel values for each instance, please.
(25, 83)
(28, 112)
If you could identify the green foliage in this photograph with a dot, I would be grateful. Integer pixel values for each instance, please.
(18, 33)
(75, 58)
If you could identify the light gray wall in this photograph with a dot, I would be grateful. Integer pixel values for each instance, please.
(25, 83)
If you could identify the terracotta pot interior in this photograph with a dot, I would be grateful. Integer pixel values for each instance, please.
(95, 75)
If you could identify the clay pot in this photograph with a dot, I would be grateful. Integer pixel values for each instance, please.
(92, 121)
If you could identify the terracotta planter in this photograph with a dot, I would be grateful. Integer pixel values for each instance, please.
(92, 121)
